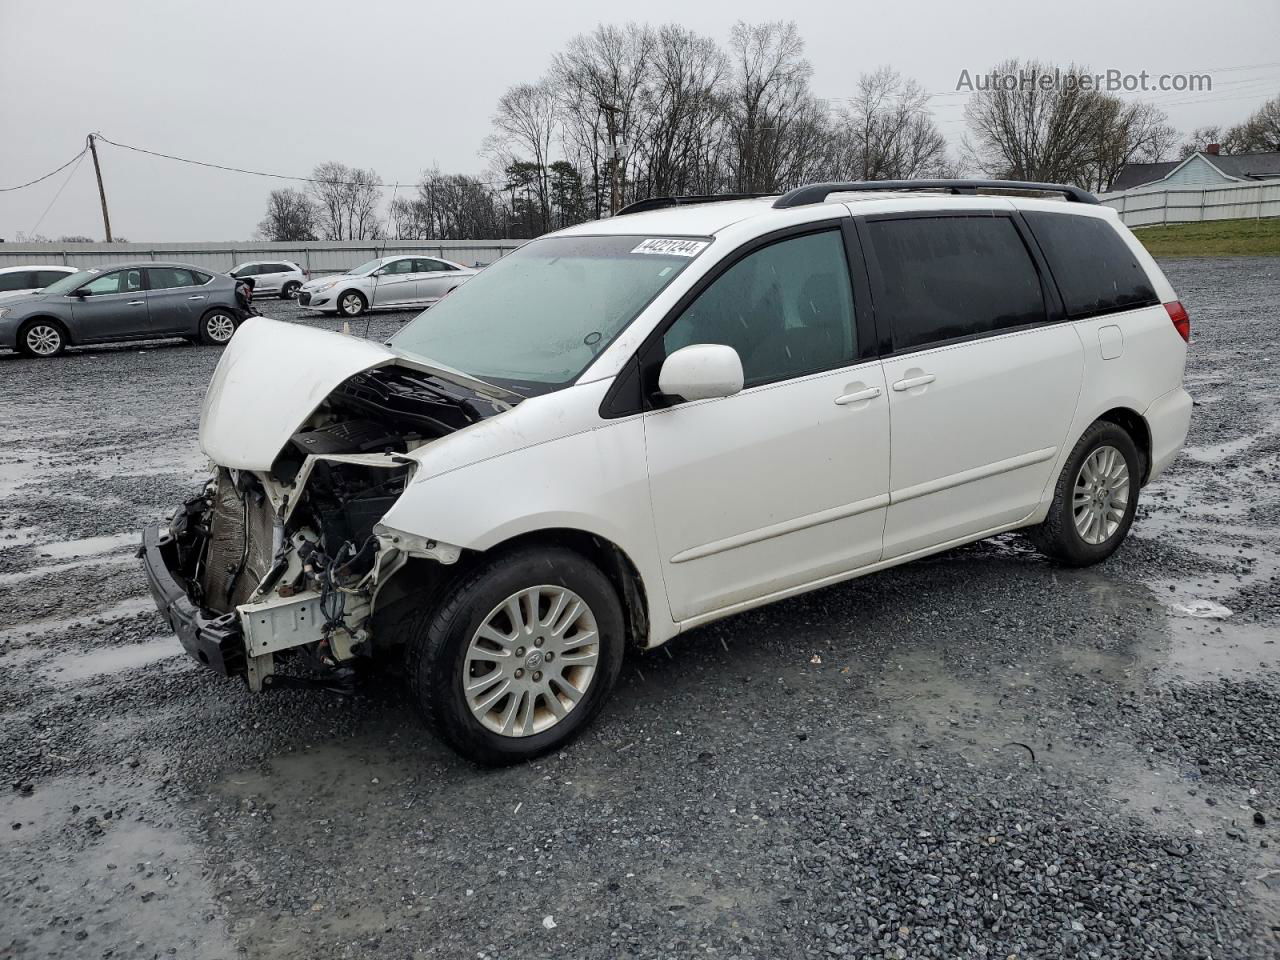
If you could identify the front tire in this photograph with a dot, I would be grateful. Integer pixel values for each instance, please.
(217, 328)
(1094, 500)
(352, 303)
(42, 338)
(519, 656)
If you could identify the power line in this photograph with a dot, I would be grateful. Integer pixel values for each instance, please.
(255, 173)
(70, 175)
(32, 183)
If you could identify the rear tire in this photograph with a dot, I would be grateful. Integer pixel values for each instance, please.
(352, 303)
(217, 327)
(43, 337)
(1094, 500)
(467, 634)
(290, 290)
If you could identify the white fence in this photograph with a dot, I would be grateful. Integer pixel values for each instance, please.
(1145, 206)
(318, 257)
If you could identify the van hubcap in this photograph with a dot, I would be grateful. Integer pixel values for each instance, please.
(1101, 495)
(531, 661)
(43, 339)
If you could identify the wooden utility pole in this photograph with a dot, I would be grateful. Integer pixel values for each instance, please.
(102, 193)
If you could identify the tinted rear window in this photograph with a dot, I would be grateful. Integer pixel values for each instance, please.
(942, 278)
(18, 280)
(1095, 269)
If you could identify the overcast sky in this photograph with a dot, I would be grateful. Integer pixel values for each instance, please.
(400, 86)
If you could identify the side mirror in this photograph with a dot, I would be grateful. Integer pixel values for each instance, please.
(701, 371)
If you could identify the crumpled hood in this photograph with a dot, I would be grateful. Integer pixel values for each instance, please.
(271, 378)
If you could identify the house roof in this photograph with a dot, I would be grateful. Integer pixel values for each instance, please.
(1242, 166)
(1136, 174)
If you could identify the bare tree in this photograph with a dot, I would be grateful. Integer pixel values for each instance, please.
(772, 116)
(679, 138)
(1033, 130)
(887, 133)
(1199, 138)
(600, 79)
(346, 202)
(290, 216)
(1260, 133)
(526, 122)
(1128, 133)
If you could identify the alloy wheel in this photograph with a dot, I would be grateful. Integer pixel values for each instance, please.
(220, 327)
(44, 340)
(351, 304)
(1101, 495)
(531, 661)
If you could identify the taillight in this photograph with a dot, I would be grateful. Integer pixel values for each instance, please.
(1181, 321)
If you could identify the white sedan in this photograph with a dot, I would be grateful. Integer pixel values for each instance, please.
(18, 281)
(391, 283)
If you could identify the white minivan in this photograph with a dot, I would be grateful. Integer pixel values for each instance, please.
(636, 426)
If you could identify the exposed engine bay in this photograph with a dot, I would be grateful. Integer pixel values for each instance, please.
(296, 554)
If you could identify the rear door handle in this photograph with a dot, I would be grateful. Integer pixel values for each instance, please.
(195, 298)
(136, 303)
(907, 384)
(868, 394)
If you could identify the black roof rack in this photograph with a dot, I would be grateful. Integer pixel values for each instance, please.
(818, 192)
(658, 203)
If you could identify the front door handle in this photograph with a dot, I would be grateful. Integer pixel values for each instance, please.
(910, 382)
(136, 303)
(195, 298)
(868, 394)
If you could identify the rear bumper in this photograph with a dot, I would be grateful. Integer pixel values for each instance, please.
(1168, 419)
(215, 640)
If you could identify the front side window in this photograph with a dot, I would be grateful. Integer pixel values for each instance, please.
(248, 270)
(1095, 269)
(165, 278)
(397, 267)
(945, 278)
(118, 281)
(45, 277)
(787, 309)
(18, 280)
(534, 320)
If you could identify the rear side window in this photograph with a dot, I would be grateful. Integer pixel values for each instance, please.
(166, 278)
(201, 278)
(18, 280)
(787, 309)
(1095, 269)
(944, 278)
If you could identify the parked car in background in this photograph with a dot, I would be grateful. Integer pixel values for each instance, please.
(132, 301)
(284, 278)
(394, 283)
(640, 425)
(16, 281)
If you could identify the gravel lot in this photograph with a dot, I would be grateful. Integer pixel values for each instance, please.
(978, 755)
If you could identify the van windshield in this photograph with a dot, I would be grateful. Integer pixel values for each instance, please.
(533, 321)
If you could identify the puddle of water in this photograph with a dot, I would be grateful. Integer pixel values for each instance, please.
(28, 631)
(44, 570)
(99, 663)
(1205, 651)
(89, 546)
(1212, 453)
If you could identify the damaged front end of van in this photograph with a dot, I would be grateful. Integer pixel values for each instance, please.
(283, 553)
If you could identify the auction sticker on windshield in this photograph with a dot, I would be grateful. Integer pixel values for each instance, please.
(672, 248)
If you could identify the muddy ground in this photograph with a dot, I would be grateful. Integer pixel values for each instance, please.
(975, 755)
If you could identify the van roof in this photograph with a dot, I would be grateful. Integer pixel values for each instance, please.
(708, 218)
